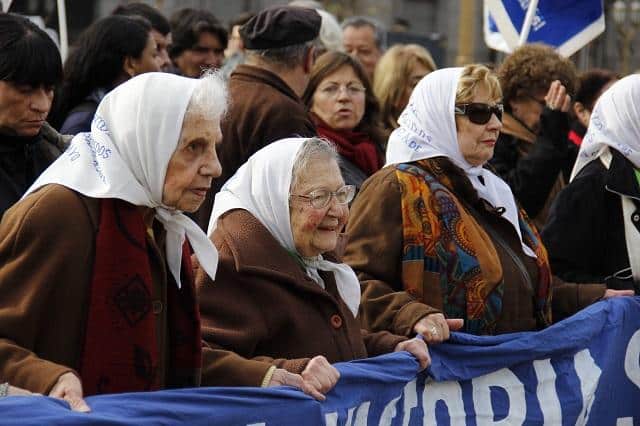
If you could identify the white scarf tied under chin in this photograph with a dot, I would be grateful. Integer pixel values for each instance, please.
(261, 186)
(428, 129)
(133, 135)
(615, 123)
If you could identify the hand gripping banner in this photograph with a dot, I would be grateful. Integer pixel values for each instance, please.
(582, 371)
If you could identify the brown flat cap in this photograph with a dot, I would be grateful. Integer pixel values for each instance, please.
(280, 26)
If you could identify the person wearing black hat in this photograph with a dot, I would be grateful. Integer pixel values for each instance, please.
(265, 91)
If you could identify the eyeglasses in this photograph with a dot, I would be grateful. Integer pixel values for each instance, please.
(352, 89)
(320, 198)
(479, 113)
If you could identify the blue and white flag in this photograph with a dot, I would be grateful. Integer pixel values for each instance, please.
(582, 371)
(567, 25)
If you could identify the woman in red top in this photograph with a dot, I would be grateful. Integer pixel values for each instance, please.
(345, 111)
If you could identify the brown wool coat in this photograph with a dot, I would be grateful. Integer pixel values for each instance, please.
(263, 310)
(47, 250)
(374, 251)
(263, 109)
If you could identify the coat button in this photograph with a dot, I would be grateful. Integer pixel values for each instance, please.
(635, 217)
(336, 321)
(156, 306)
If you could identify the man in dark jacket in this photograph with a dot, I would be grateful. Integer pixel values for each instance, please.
(30, 66)
(265, 91)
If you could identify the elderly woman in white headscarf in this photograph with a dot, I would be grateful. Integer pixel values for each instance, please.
(437, 238)
(96, 284)
(283, 307)
(593, 233)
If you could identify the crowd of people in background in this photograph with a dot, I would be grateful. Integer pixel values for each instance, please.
(245, 205)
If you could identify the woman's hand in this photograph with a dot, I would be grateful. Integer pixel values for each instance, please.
(609, 293)
(435, 328)
(318, 378)
(418, 348)
(69, 388)
(557, 97)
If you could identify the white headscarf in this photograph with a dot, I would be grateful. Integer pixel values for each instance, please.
(125, 156)
(615, 123)
(261, 186)
(428, 129)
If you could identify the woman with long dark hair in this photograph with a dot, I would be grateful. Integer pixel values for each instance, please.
(108, 53)
(30, 67)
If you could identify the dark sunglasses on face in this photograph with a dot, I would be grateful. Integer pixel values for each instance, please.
(479, 113)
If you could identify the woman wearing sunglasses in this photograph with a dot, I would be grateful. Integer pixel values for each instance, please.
(283, 307)
(437, 239)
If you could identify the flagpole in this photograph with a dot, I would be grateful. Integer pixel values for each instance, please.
(528, 20)
(62, 24)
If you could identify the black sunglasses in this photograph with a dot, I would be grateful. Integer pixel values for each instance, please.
(479, 113)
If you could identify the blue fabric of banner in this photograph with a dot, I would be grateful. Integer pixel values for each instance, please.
(584, 370)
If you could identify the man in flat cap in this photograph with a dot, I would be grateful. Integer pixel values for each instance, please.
(265, 91)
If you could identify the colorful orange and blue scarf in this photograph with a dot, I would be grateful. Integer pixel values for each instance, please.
(441, 239)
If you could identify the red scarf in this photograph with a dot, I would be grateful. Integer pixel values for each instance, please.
(121, 352)
(356, 147)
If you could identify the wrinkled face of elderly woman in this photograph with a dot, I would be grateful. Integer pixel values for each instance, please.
(194, 164)
(476, 139)
(339, 99)
(23, 108)
(315, 229)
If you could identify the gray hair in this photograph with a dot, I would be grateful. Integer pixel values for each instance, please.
(330, 31)
(209, 98)
(288, 56)
(311, 150)
(311, 4)
(379, 32)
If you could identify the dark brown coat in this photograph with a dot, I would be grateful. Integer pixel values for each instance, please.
(263, 109)
(263, 310)
(47, 251)
(374, 251)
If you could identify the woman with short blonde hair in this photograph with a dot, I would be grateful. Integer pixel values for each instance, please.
(397, 73)
(437, 239)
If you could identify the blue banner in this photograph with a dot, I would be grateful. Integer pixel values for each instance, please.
(567, 25)
(584, 370)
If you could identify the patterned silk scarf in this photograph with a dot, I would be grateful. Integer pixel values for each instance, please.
(448, 256)
(121, 352)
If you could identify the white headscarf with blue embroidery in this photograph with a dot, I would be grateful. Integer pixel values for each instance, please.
(133, 135)
(615, 123)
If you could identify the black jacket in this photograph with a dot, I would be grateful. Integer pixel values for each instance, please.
(585, 231)
(22, 160)
(531, 169)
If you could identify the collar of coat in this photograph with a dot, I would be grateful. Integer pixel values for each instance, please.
(255, 251)
(252, 73)
(512, 126)
(620, 176)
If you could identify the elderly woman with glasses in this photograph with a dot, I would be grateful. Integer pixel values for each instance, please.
(437, 239)
(345, 111)
(283, 307)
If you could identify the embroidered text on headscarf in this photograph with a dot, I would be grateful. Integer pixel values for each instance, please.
(134, 133)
